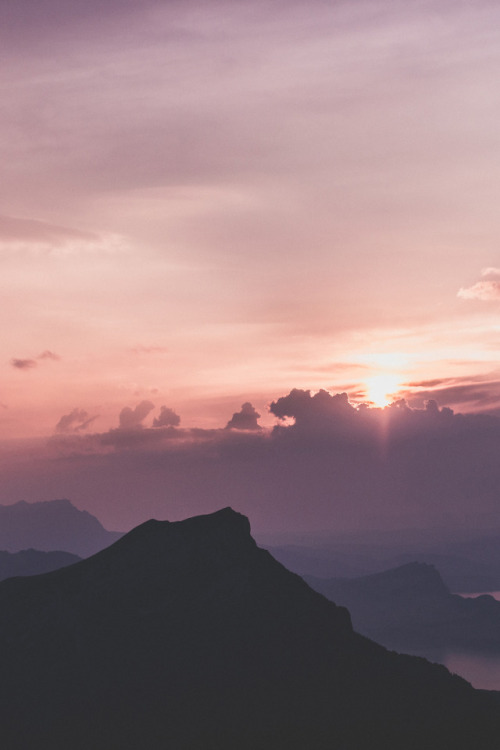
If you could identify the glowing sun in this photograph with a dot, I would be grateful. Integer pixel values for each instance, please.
(380, 389)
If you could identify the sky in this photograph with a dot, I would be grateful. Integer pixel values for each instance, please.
(206, 207)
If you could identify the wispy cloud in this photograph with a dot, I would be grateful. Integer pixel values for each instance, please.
(47, 354)
(75, 421)
(28, 363)
(490, 271)
(142, 349)
(480, 393)
(34, 237)
(23, 364)
(481, 290)
(486, 290)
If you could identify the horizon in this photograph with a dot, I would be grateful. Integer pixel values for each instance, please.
(326, 465)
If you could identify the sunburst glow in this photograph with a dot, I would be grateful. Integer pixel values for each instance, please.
(380, 389)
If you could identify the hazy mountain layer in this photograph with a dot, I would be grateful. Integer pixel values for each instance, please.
(32, 562)
(466, 561)
(410, 608)
(188, 636)
(52, 525)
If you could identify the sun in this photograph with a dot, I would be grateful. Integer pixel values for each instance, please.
(380, 389)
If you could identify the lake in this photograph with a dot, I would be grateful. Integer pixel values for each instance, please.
(482, 670)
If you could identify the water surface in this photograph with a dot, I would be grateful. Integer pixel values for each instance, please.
(482, 670)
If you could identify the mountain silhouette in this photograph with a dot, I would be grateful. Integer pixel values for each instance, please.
(410, 608)
(52, 525)
(188, 636)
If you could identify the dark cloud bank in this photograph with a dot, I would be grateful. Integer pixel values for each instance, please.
(335, 467)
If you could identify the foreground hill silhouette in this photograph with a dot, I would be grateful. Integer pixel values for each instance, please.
(188, 636)
(52, 525)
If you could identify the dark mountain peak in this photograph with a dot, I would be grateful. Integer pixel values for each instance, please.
(225, 524)
(225, 521)
(223, 533)
(223, 518)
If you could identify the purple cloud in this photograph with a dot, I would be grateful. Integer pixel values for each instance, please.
(75, 421)
(338, 467)
(23, 364)
(131, 419)
(167, 418)
(245, 419)
(477, 392)
(313, 412)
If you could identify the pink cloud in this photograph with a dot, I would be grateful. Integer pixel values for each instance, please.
(486, 290)
(49, 355)
(481, 290)
(490, 271)
(31, 230)
(150, 349)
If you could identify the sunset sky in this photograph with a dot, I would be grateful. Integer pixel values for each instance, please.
(208, 204)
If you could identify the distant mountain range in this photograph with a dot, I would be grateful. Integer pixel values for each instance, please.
(52, 525)
(409, 608)
(32, 562)
(188, 636)
(468, 563)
